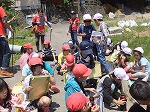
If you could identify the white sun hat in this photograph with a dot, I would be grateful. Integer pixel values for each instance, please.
(87, 17)
(121, 74)
(127, 50)
(98, 16)
(140, 49)
(124, 44)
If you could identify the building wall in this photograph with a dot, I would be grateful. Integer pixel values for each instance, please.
(26, 4)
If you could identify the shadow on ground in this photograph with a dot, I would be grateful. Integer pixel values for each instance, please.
(14, 69)
(54, 106)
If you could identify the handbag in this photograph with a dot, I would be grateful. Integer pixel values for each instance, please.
(34, 29)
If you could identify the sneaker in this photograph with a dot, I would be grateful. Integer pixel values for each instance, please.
(54, 88)
(4, 73)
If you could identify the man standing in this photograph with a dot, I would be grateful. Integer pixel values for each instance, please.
(4, 47)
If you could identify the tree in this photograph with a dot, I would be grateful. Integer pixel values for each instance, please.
(7, 5)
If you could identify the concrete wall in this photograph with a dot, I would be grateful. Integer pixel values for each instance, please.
(27, 4)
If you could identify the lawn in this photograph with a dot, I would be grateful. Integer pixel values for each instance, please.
(138, 37)
(29, 38)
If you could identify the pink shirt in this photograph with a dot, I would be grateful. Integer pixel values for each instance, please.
(24, 58)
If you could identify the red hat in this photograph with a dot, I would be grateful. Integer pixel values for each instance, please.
(65, 47)
(69, 60)
(27, 46)
(46, 42)
(35, 61)
(80, 70)
(76, 101)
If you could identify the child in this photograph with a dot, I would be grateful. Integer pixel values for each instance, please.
(142, 63)
(86, 55)
(77, 102)
(67, 67)
(86, 30)
(121, 45)
(73, 48)
(28, 52)
(108, 87)
(62, 56)
(75, 84)
(5, 96)
(123, 57)
(48, 52)
(74, 23)
(27, 71)
(36, 66)
(102, 46)
(116, 50)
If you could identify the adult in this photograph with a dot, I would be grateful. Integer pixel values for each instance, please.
(38, 22)
(140, 91)
(4, 47)
(102, 46)
(74, 24)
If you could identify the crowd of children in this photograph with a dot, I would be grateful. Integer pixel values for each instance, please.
(75, 63)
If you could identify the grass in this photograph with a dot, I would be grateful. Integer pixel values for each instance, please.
(135, 38)
(29, 38)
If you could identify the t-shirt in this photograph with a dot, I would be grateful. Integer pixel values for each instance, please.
(41, 20)
(87, 30)
(24, 58)
(61, 58)
(27, 71)
(144, 62)
(74, 23)
(104, 28)
(2, 15)
(71, 87)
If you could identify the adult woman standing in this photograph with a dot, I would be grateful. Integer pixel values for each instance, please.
(38, 23)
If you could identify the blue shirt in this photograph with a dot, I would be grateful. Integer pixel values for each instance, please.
(26, 69)
(71, 87)
(87, 30)
(144, 62)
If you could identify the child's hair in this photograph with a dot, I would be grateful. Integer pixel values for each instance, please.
(39, 10)
(34, 66)
(138, 52)
(140, 90)
(49, 46)
(4, 85)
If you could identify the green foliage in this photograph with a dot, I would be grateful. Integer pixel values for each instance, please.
(23, 32)
(7, 6)
(17, 41)
(135, 40)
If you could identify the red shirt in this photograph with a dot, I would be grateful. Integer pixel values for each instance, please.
(2, 15)
(74, 23)
(41, 20)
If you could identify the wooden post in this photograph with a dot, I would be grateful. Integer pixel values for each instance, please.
(78, 8)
